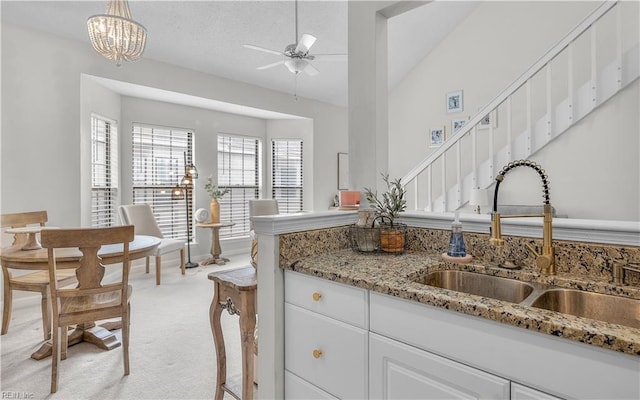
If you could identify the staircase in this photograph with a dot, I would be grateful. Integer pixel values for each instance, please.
(442, 182)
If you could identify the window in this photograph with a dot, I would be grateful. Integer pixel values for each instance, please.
(158, 165)
(239, 161)
(286, 175)
(104, 171)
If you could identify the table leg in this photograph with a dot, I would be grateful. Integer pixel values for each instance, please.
(247, 337)
(32, 242)
(215, 250)
(215, 311)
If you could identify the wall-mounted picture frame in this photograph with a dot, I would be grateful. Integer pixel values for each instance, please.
(436, 136)
(489, 120)
(343, 171)
(458, 123)
(454, 101)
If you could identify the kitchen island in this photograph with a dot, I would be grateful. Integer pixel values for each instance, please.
(556, 354)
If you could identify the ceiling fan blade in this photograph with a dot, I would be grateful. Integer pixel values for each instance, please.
(310, 70)
(271, 65)
(253, 47)
(305, 43)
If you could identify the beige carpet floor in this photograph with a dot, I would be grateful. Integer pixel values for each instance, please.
(171, 352)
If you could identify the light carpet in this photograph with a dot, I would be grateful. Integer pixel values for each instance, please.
(172, 354)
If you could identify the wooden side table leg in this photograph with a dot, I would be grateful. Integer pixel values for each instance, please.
(247, 337)
(215, 311)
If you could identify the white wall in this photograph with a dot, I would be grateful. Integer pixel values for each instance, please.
(42, 113)
(487, 52)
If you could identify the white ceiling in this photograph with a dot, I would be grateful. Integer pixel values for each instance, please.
(208, 36)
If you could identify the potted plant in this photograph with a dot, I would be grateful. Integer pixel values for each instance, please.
(216, 194)
(388, 207)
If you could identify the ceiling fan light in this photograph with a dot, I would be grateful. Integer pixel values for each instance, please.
(295, 65)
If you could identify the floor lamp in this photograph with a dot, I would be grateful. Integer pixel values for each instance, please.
(181, 191)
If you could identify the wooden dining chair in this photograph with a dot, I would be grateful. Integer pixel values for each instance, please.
(37, 281)
(92, 300)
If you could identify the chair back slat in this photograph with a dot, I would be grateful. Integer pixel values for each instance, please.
(20, 220)
(90, 271)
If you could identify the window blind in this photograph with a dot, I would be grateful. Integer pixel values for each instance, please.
(286, 175)
(239, 161)
(158, 165)
(104, 172)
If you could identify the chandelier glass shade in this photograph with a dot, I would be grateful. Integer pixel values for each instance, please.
(115, 35)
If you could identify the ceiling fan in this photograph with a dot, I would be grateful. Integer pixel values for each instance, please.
(297, 57)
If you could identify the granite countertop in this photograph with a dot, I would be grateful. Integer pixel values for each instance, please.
(394, 274)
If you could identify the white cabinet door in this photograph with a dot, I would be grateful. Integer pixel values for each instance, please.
(519, 392)
(325, 352)
(399, 371)
(296, 388)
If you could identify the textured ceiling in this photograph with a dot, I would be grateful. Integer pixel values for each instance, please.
(208, 36)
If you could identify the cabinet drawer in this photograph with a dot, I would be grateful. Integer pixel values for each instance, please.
(296, 388)
(345, 303)
(399, 371)
(519, 392)
(325, 352)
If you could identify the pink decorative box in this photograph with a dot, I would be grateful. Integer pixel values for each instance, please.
(349, 199)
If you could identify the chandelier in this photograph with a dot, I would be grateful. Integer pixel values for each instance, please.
(115, 35)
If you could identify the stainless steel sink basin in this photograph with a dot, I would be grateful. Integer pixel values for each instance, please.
(601, 307)
(479, 284)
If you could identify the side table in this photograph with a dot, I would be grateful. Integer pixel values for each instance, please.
(235, 291)
(215, 241)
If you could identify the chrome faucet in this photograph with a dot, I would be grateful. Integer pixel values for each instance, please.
(545, 260)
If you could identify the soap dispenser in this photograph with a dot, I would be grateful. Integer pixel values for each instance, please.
(456, 241)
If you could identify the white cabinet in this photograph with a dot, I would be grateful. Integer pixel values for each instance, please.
(398, 371)
(554, 365)
(351, 343)
(297, 388)
(326, 346)
(520, 392)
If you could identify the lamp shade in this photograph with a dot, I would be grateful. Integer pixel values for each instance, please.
(187, 180)
(191, 170)
(177, 193)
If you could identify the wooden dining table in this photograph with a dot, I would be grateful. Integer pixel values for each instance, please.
(17, 258)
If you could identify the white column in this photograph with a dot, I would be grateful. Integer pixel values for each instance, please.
(368, 126)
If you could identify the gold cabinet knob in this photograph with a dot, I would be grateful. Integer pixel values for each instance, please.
(317, 296)
(317, 353)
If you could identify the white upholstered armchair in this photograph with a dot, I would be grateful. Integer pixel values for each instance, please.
(142, 218)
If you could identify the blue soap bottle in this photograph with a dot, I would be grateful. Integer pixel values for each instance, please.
(456, 242)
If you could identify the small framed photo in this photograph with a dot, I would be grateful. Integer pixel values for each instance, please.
(489, 120)
(458, 123)
(454, 101)
(436, 136)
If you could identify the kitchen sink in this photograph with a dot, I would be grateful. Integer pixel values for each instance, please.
(601, 307)
(479, 284)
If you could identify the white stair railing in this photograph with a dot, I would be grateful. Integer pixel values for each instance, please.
(557, 119)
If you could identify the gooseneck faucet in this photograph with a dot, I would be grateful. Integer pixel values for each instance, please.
(545, 260)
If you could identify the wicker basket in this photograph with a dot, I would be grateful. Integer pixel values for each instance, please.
(393, 239)
(364, 239)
